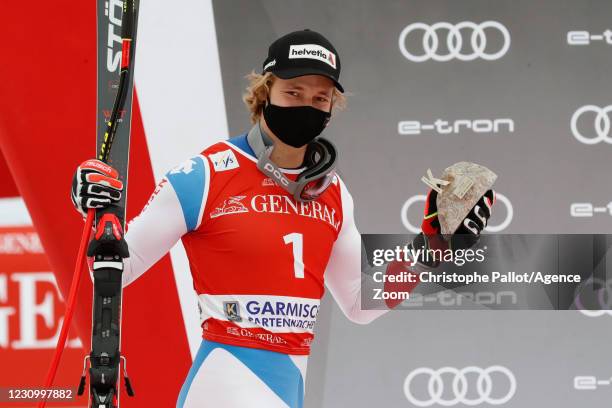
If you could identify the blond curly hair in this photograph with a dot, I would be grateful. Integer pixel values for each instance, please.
(258, 89)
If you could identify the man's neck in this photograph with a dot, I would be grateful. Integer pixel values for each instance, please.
(283, 155)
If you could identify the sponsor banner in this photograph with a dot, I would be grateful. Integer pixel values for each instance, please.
(450, 386)
(458, 126)
(464, 41)
(31, 313)
(278, 204)
(313, 51)
(229, 331)
(582, 37)
(276, 314)
(588, 210)
(225, 160)
(591, 124)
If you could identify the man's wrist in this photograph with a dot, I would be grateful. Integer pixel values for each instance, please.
(430, 248)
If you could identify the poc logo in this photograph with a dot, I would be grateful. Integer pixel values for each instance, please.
(277, 174)
(478, 36)
(585, 38)
(597, 122)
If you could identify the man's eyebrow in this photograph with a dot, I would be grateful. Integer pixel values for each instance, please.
(301, 88)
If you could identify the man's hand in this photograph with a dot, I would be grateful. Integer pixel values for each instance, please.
(468, 233)
(95, 185)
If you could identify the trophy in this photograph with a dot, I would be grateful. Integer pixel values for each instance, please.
(459, 189)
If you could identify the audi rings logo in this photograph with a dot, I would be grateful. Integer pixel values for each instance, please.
(460, 386)
(455, 48)
(593, 297)
(600, 130)
(491, 227)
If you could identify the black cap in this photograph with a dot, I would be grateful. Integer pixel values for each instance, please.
(304, 52)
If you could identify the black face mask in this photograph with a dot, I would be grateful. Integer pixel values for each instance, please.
(295, 125)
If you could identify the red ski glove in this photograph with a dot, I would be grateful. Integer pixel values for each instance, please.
(468, 233)
(95, 185)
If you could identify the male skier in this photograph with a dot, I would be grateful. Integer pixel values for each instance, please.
(266, 223)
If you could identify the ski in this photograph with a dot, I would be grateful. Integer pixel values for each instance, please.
(117, 22)
(116, 28)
